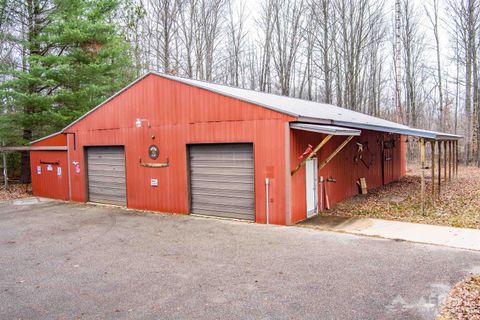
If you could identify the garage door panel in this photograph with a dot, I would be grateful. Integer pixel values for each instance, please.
(102, 198)
(222, 177)
(205, 208)
(212, 187)
(106, 179)
(224, 200)
(106, 175)
(221, 213)
(98, 188)
(105, 167)
(222, 180)
(227, 164)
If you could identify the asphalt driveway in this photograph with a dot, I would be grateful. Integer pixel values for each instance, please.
(74, 261)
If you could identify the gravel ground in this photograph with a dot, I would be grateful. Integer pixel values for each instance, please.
(76, 261)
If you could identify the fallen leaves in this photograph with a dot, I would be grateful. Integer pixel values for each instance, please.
(15, 191)
(458, 204)
(463, 301)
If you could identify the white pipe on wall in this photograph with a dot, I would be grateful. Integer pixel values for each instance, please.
(321, 193)
(267, 182)
(69, 173)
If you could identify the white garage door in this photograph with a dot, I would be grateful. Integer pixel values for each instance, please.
(222, 180)
(106, 175)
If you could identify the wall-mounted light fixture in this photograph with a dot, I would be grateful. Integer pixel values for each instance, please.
(138, 122)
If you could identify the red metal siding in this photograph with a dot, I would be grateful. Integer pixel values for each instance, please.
(48, 183)
(179, 115)
(55, 140)
(175, 115)
(343, 167)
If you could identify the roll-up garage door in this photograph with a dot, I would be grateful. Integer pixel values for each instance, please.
(106, 175)
(222, 181)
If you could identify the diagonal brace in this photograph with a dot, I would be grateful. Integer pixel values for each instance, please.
(314, 151)
(334, 153)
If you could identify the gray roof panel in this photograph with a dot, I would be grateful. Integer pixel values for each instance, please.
(303, 110)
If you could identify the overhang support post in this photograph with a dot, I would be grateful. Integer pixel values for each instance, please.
(5, 173)
(456, 158)
(439, 167)
(334, 153)
(445, 155)
(432, 145)
(314, 151)
(422, 182)
(450, 161)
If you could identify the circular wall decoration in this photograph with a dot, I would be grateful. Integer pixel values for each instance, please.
(153, 152)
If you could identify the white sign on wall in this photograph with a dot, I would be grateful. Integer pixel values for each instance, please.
(59, 171)
(49, 167)
(39, 169)
(154, 182)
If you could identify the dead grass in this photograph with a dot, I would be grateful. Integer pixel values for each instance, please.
(458, 205)
(15, 191)
(463, 301)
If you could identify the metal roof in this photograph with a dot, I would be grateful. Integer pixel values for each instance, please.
(309, 111)
(303, 110)
(332, 130)
(30, 148)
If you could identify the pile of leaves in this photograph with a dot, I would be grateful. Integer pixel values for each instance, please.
(458, 204)
(463, 301)
(15, 191)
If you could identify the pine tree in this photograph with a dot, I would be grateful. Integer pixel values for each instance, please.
(74, 57)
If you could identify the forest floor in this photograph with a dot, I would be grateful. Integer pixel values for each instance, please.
(463, 301)
(15, 191)
(458, 205)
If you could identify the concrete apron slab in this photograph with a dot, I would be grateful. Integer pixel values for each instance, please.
(462, 238)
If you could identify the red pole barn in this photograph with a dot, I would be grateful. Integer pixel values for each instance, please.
(177, 145)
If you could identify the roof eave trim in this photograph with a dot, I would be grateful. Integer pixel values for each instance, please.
(406, 131)
(331, 130)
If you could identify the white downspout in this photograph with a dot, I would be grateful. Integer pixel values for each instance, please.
(267, 182)
(321, 193)
(68, 170)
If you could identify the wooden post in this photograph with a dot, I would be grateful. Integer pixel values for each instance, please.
(334, 153)
(445, 161)
(456, 158)
(450, 161)
(439, 167)
(314, 151)
(454, 161)
(5, 173)
(432, 144)
(422, 182)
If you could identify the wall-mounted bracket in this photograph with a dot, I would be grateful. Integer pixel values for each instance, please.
(154, 165)
(56, 163)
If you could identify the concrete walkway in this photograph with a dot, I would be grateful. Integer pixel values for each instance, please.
(415, 232)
